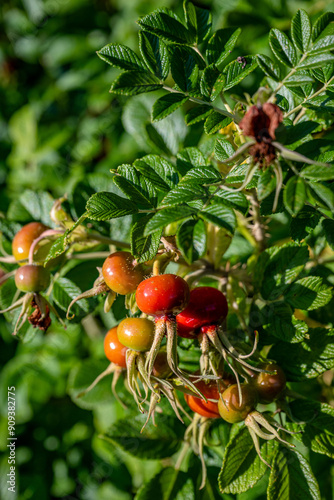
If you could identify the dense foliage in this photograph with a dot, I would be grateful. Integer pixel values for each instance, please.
(211, 160)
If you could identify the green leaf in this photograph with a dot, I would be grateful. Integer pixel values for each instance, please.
(155, 54)
(321, 24)
(184, 192)
(215, 121)
(121, 57)
(212, 82)
(318, 61)
(81, 376)
(281, 266)
(242, 467)
(159, 171)
(160, 441)
(197, 114)
(132, 192)
(324, 73)
(184, 69)
(168, 484)
(317, 425)
(301, 30)
(144, 248)
(61, 244)
(307, 359)
(294, 195)
(269, 67)
(266, 183)
(106, 206)
(328, 226)
(198, 21)
(318, 173)
(303, 225)
(166, 25)
(191, 239)
(324, 44)
(309, 293)
(233, 199)
(167, 104)
(135, 82)
(322, 193)
(64, 291)
(299, 78)
(221, 45)
(223, 150)
(276, 319)
(189, 158)
(282, 48)
(202, 175)
(141, 184)
(236, 71)
(291, 477)
(38, 205)
(166, 216)
(220, 215)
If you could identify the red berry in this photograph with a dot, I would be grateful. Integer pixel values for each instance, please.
(230, 408)
(32, 278)
(162, 294)
(269, 387)
(207, 306)
(114, 350)
(210, 391)
(136, 333)
(24, 238)
(120, 274)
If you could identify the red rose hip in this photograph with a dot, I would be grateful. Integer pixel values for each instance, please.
(162, 295)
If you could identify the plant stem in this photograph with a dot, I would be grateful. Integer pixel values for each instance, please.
(199, 101)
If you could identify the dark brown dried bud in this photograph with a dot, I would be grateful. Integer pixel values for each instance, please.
(261, 122)
(37, 319)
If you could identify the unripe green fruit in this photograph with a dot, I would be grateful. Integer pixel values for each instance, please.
(32, 278)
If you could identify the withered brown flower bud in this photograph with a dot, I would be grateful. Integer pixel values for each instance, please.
(37, 320)
(261, 122)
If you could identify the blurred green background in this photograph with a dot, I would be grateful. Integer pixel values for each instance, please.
(58, 123)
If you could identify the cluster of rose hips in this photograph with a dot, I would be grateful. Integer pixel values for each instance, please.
(169, 309)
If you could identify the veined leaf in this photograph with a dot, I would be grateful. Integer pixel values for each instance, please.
(294, 195)
(270, 68)
(197, 114)
(223, 150)
(309, 293)
(291, 477)
(166, 25)
(242, 467)
(318, 173)
(220, 215)
(144, 248)
(184, 69)
(198, 21)
(184, 192)
(282, 48)
(201, 175)
(106, 206)
(191, 239)
(321, 24)
(215, 121)
(307, 359)
(324, 44)
(301, 30)
(328, 226)
(236, 71)
(221, 45)
(155, 54)
(166, 216)
(167, 104)
(318, 61)
(121, 57)
(164, 174)
(135, 82)
(212, 82)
